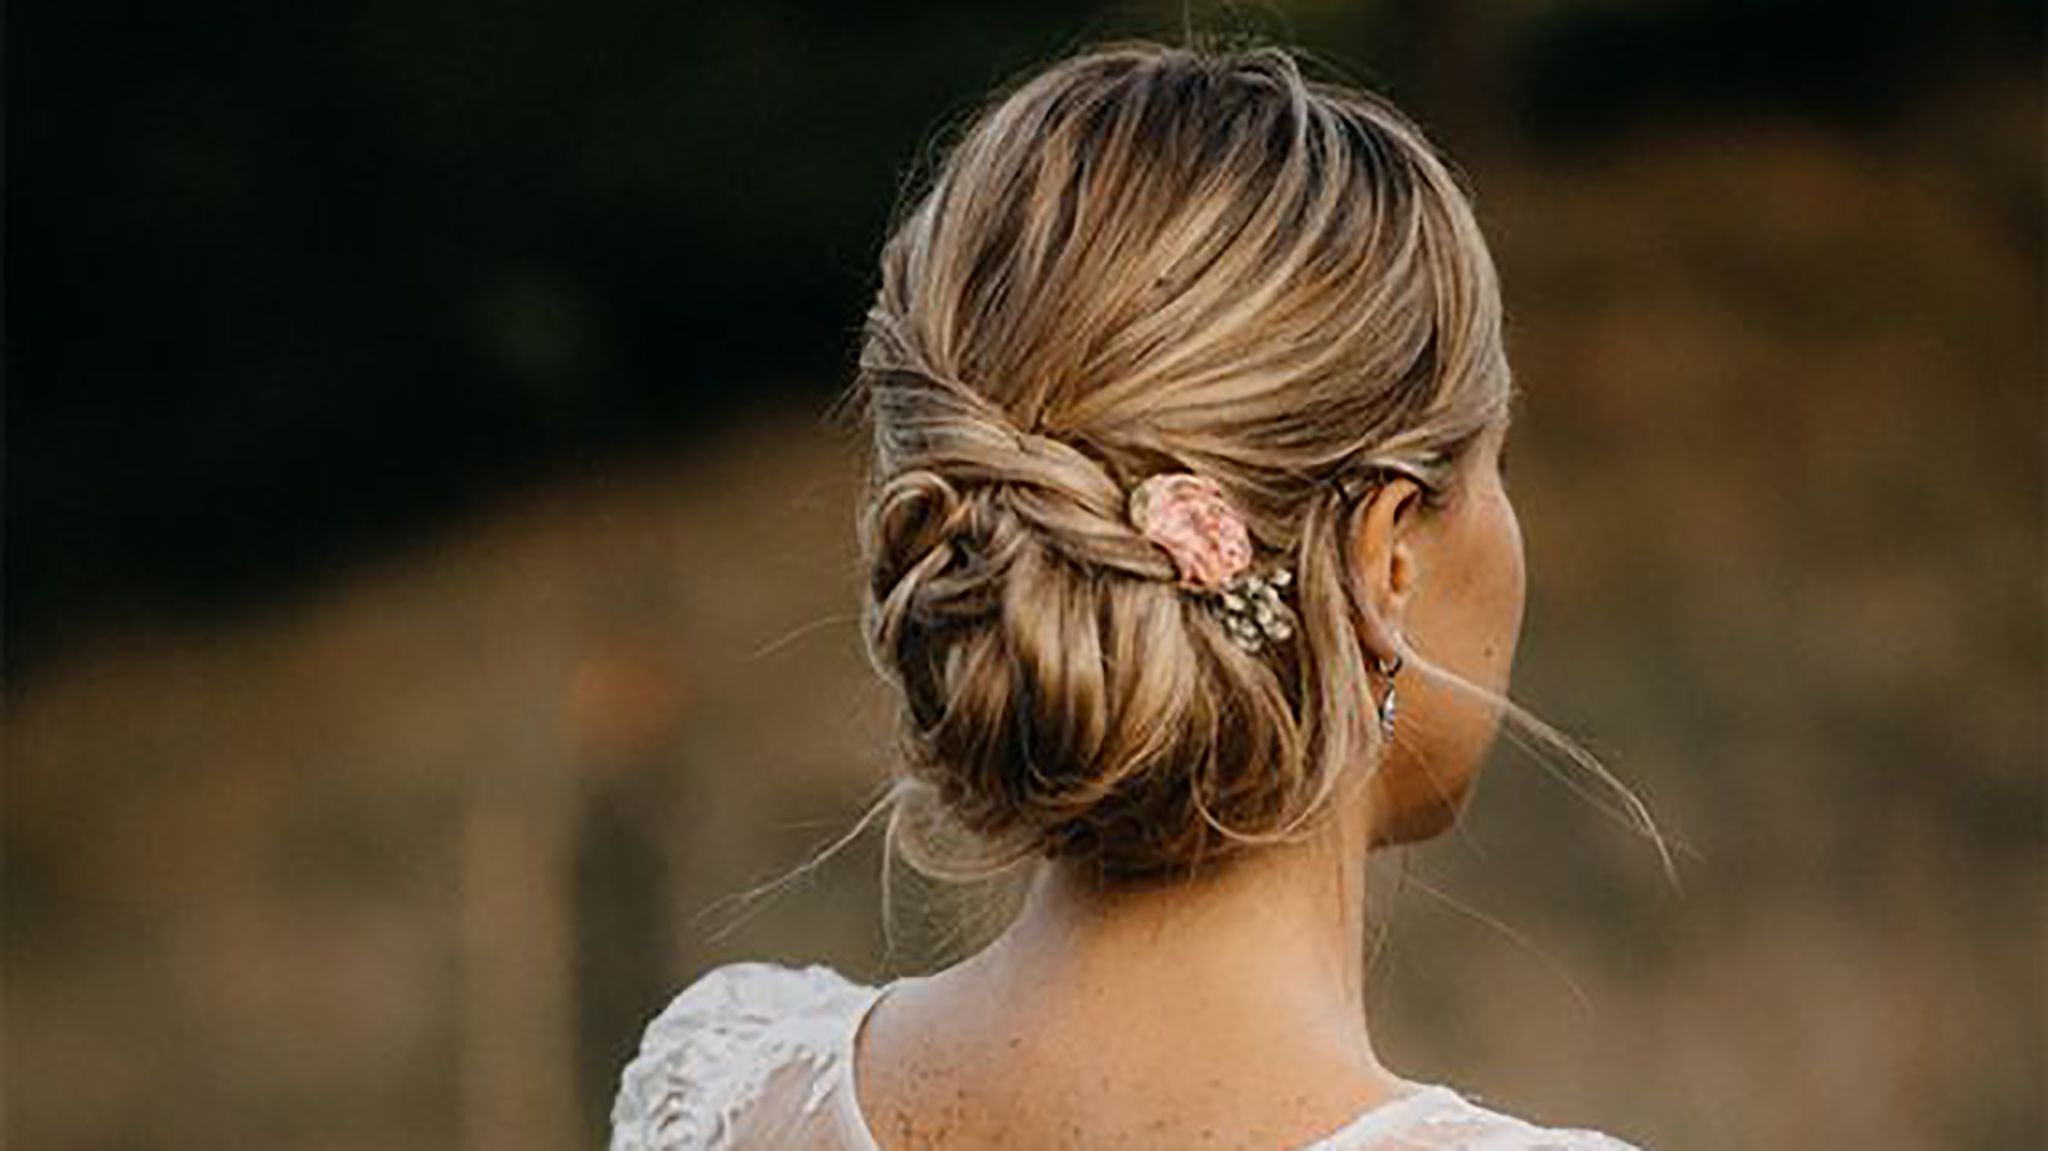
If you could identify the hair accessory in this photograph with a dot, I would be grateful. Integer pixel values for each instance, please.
(1390, 669)
(1252, 611)
(1191, 519)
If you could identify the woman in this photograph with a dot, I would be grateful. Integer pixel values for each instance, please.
(1190, 558)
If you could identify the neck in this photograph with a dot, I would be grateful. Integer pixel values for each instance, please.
(1271, 946)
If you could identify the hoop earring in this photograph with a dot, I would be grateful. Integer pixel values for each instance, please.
(1388, 707)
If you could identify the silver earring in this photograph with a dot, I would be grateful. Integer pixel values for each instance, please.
(1389, 669)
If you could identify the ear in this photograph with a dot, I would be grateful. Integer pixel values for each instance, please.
(1384, 565)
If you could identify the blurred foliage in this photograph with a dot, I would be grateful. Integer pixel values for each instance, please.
(288, 279)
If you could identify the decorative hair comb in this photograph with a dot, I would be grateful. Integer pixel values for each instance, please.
(1191, 519)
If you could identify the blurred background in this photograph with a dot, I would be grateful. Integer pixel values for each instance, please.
(430, 587)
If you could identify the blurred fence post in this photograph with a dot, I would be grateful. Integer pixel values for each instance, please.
(519, 822)
(518, 1026)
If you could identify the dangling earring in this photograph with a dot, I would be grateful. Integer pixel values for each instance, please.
(1388, 668)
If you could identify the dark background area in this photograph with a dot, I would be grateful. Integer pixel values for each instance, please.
(287, 281)
(429, 567)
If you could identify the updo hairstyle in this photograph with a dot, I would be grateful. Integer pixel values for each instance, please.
(1147, 259)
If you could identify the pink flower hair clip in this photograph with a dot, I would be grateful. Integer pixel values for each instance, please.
(1192, 520)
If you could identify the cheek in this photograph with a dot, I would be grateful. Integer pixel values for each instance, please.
(1500, 593)
(1469, 615)
(1478, 618)
(1515, 576)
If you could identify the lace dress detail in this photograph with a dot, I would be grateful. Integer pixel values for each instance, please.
(756, 1055)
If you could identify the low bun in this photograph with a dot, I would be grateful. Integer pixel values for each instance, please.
(1063, 696)
(1148, 260)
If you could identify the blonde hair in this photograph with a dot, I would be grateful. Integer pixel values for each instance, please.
(1147, 258)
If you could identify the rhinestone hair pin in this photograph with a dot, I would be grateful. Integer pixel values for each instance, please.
(1189, 517)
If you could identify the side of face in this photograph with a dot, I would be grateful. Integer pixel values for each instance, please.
(1445, 585)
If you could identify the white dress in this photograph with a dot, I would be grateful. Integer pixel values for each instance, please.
(756, 1055)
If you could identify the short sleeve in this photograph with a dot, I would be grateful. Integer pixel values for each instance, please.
(704, 1059)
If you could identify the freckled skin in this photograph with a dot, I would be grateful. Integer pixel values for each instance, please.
(928, 1078)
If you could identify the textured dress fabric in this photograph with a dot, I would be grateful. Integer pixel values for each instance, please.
(758, 1055)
